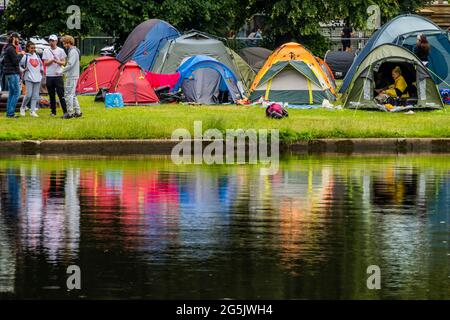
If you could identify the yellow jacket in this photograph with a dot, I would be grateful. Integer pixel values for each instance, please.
(399, 84)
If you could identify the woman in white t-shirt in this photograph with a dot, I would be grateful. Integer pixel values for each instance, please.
(32, 69)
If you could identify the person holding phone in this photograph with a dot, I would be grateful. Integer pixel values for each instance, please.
(54, 60)
(72, 72)
(11, 70)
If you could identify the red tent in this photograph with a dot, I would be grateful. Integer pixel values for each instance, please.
(161, 80)
(130, 81)
(97, 75)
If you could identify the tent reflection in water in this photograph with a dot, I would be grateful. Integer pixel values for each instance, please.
(207, 81)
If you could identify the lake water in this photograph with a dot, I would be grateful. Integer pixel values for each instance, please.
(146, 228)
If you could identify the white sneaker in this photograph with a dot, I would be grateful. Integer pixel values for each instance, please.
(22, 112)
(34, 114)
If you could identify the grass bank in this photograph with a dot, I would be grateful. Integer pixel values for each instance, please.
(158, 122)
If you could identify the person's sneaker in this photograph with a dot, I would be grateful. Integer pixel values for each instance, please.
(22, 112)
(66, 116)
(34, 114)
(13, 117)
(78, 115)
(52, 114)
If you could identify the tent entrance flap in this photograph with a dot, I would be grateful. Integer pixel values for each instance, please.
(206, 86)
(382, 76)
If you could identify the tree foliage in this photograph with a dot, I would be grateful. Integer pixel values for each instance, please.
(285, 19)
(120, 17)
(296, 19)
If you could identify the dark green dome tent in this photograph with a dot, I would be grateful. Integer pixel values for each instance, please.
(375, 70)
(393, 32)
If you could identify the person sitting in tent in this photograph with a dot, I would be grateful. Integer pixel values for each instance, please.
(398, 89)
(422, 48)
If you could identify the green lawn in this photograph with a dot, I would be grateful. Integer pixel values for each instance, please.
(159, 122)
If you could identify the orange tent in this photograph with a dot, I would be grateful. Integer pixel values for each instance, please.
(294, 51)
(326, 68)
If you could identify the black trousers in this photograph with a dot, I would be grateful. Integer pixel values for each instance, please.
(55, 85)
(346, 44)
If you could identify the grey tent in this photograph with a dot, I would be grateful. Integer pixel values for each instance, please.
(177, 51)
(255, 57)
(339, 62)
(207, 81)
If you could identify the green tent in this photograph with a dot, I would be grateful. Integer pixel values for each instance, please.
(293, 82)
(178, 50)
(375, 72)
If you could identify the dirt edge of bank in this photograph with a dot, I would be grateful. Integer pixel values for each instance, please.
(164, 147)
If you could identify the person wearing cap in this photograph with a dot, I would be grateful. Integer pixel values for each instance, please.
(11, 70)
(54, 60)
(72, 73)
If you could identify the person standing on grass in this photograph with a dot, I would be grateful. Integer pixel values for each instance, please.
(32, 69)
(346, 35)
(11, 70)
(72, 72)
(54, 58)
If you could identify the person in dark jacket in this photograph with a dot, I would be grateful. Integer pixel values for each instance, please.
(422, 48)
(346, 35)
(11, 70)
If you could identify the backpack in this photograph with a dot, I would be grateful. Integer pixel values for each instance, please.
(101, 94)
(276, 111)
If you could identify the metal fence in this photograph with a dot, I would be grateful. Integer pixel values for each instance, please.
(357, 41)
(93, 45)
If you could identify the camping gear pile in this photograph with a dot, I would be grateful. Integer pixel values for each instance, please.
(276, 111)
(159, 64)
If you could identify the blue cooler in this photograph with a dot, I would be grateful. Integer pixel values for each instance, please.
(114, 100)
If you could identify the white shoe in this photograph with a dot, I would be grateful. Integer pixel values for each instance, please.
(22, 112)
(34, 114)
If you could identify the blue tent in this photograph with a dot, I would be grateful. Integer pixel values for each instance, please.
(390, 33)
(439, 56)
(144, 42)
(203, 79)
